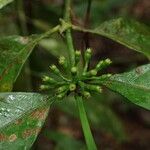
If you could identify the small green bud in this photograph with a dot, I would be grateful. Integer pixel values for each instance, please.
(108, 61)
(54, 69)
(94, 88)
(98, 89)
(45, 78)
(62, 88)
(90, 73)
(77, 53)
(89, 51)
(77, 56)
(86, 94)
(44, 87)
(93, 72)
(72, 87)
(62, 60)
(103, 64)
(98, 66)
(74, 70)
(48, 79)
(88, 54)
(61, 95)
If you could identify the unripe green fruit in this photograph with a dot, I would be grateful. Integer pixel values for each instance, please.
(94, 88)
(103, 64)
(98, 89)
(62, 88)
(77, 57)
(45, 78)
(74, 70)
(77, 53)
(61, 95)
(93, 72)
(44, 87)
(54, 69)
(86, 94)
(72, 87)
(90, 73)
(62, 60)
(48, 79)
(108, 61)
(88, 54)
(89, 51)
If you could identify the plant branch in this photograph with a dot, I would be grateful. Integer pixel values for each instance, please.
(22, 25)
(68, 33)
(85, 124)
(86, 23)
(87, 16)
(49, 32)
(22, 17)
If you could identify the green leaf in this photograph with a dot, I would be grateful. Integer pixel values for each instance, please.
(4, 3)
(22, 116)
(134, 85)
(129, 33)
(14, 52)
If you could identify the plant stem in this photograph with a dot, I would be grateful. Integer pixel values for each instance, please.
(68, 33)
(22, 17)
(85, 124)
(22, 24)
(49, 32)
(86, 24)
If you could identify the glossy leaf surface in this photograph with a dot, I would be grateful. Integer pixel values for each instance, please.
(134, 85)
(129, 33)
(21, 118)
(14, 52)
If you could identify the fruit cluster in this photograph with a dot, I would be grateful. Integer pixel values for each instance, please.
(78, 80)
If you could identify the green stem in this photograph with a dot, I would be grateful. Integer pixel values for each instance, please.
(22, 17)
(68, 33)
(85, 124)
(86, 66)
(49, 32)
(24, 31)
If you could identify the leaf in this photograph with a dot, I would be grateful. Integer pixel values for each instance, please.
(129, 33)
(4, 3)
(134, 85)
(21, 118)
(14, 52)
